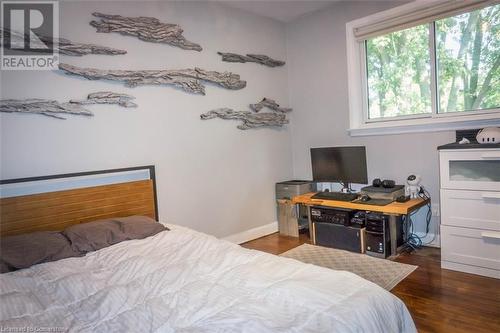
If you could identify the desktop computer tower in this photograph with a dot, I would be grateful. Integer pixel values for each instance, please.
(378, 235)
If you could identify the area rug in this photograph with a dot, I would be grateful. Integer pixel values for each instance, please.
(385, 273)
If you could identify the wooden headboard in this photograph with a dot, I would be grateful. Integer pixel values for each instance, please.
(56, 210)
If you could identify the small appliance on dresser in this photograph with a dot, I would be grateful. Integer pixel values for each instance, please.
(470, 208)
(292, 217)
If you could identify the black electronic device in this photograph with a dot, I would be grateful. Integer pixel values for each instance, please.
(340, 237)
(358, 220)
(384, 193)
(378, 241)
(331, 229)
(403, 198)
(387, 183)
(378, 235)
(329, 215)
(364, 198)
(338, 196)
(339, 164)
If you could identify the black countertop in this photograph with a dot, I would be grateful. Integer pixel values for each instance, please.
(472, 145)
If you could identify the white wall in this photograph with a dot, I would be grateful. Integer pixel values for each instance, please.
(317, 71)
(211, 176)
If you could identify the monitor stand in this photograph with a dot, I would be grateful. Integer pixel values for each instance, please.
(346, 188)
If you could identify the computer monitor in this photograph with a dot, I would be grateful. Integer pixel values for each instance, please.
(339, 164)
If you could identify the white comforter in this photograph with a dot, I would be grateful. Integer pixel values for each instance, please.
(185, 281)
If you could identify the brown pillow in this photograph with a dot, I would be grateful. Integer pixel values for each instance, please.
(23, 251)
(99, 234)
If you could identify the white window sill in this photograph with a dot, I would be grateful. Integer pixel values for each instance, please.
(426, 125)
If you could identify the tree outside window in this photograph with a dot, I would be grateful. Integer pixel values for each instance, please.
(467, 67)
(468, 56)
(398, 68)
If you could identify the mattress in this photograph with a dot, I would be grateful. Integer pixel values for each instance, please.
(185, 281)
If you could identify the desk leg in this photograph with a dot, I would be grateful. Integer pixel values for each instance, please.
(312, 234)
(406, 235)
(394, 236)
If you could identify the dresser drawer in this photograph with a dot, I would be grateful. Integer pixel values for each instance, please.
(477, 169)
(471, 247)
(471, 209)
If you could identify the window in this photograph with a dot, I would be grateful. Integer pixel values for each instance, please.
(399, 75)
(468, 61)
(430, 68)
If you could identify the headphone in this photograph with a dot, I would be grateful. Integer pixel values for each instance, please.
(386, 183)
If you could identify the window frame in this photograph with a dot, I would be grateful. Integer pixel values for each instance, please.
(359, 122)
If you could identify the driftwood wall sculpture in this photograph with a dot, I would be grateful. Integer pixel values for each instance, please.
(107, 97)
(148, 29)
(68, 47)
(249, 119)
(63, 46)
(44, 107)
(55, 109)
(253, 119)
(269, 103)
(257, 58)
(187, 79)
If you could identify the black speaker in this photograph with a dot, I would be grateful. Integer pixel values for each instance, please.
(339, 236)
(387, 183)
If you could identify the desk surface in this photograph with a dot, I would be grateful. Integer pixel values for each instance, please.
(392, 208)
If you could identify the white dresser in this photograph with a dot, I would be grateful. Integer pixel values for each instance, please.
(470, 210)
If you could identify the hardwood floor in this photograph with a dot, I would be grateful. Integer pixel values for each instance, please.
(439, 300)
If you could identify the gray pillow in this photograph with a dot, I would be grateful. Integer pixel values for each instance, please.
(4, 268)
(26, 250)
(93, 236)
(139, 227)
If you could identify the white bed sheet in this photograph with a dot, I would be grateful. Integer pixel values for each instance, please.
(186, 281)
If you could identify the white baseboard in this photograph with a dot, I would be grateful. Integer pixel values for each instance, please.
(493, 273)
(254, 233)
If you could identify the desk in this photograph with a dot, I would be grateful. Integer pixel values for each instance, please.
(393, 209)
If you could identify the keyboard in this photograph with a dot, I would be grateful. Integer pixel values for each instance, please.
(338, 196)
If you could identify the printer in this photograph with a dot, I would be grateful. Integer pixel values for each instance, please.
(292, 218)
(291, 188)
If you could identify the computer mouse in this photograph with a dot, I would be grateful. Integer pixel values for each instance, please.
(364, 198)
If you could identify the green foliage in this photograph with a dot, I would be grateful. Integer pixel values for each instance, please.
(468, 49)
(399, 73)
(468, 66)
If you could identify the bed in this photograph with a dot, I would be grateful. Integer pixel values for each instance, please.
(178, 280)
